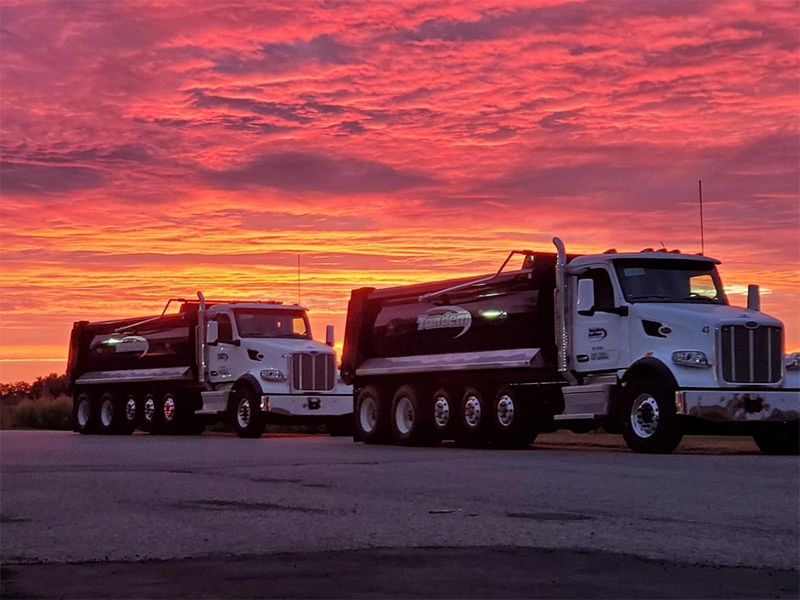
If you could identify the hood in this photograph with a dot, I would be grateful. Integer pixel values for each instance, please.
(700, 314)
(279, 346)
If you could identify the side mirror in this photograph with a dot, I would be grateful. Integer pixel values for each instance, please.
(585, 304)
(753, 297)
(212, 332)
(329, 337)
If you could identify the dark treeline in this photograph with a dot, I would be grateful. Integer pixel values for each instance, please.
(51, 386)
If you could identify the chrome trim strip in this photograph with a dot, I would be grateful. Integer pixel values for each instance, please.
(136, 375)
(428, 363)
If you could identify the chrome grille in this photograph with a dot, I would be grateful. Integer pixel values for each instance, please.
(751, 353)
(313, 372)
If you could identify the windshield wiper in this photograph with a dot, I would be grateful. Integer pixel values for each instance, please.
(699, 298)
(649, 297)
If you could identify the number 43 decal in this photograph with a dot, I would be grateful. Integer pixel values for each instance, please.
(706, 329)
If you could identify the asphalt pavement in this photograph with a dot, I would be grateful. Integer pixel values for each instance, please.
(318, 517)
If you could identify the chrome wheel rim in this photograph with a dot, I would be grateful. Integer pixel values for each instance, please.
(441, 411)
(244, 414)
(645, 416)
(368, 414)
(106, 413)
(169, 408)
(83, 412)
(472, 411)
(404, 415)
(130, 408)
(505, 410)
(149, 408)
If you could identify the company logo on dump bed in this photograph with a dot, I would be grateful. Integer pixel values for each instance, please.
(134, 344)
(445, 317)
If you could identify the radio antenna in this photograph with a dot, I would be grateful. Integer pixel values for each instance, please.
(702, 235)
(298, 279)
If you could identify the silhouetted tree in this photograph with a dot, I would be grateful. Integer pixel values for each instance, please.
(12, 393)
(53, 385)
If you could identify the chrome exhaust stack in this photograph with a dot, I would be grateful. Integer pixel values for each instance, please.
(201, 338)
(560, 304)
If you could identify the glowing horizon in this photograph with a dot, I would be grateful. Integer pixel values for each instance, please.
(151, 150)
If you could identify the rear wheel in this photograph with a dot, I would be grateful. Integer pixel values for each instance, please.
(475, 418)
(169, 414)
(649, 420)
(411, 423)
(443, 413)
(150, 420)
(109, 414)
(131, 409)
(779, 439)
(85, 417)
(248, 420)
(511, 426)
(371, 416)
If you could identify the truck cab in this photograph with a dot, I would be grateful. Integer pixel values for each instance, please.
(261, 358)
(652, 338)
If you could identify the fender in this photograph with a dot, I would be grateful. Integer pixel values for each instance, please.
(652, 366)
(246, 379)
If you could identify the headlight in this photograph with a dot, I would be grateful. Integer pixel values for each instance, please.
(792, 362)
(273, 375)
(690, 358)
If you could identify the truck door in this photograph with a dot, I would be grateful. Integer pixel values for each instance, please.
(223, 354)
(597, 336)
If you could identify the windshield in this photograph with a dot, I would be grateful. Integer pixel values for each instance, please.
(265, 323)
(659, 280)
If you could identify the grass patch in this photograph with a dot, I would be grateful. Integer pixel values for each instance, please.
(41, 413)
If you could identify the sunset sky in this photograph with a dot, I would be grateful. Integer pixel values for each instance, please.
(151, 149)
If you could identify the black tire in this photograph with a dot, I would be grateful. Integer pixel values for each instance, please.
(245, 411)
(84, 416)
(779, 439)
(150, 420)
(474, 418)
(131, 408)
(171, 415)
(511, 423)
(443, 416)
(371, 416)
(111, 414)
(650, 423)
(410, 418)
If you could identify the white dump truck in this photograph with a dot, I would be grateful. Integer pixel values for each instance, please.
(245, 363)
(644, 344)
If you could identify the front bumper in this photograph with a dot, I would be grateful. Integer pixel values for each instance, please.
(739, 405)
(310, 405)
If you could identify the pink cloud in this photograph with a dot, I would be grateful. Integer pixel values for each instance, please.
(150, 147)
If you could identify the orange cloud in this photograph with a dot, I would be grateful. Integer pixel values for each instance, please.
(151, 150)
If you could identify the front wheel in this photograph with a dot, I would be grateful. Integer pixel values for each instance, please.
(649, 420)
(779, 439)
(248, 420)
